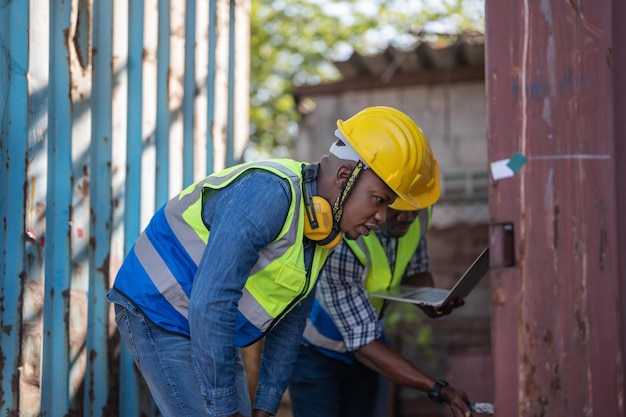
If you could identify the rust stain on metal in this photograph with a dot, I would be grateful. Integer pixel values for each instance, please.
(555, 381)
(93, 355)
(83, 186)
(531, 385)
(555, 226)
(603, 238)
(7, 329)
(30, 260)
(3, 360)
(66, 37)
(499, 296)
(604, 242)
(66, 312)
(15, 387)
(536, 399)
(581, 324)
(548, 339)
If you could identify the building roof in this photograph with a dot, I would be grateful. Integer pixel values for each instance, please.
(425, 62)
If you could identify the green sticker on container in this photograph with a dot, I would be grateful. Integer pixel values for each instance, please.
(517, 161)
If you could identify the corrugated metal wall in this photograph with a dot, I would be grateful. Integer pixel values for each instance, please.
(555, 81)
(107, 108)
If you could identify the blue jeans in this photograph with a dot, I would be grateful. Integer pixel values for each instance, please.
(167, 366)
(321, 386)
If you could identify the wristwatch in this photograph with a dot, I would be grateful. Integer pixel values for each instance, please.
(435, 392)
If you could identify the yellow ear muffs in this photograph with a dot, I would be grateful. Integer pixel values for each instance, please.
(332, 240)
(320, 216)
(319, 225)
(321, 230)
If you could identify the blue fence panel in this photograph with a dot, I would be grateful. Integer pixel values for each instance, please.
(86, 129)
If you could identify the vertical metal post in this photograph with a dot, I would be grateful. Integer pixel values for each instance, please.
(55, 368)
(210, 166)
(189, 86)
(162, 192)
(13, 146)
(618, 58)
(129, 381)
(230, 118)
(97, 387)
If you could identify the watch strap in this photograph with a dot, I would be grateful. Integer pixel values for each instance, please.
(435, 392)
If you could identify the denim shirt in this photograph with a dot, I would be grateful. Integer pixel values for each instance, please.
(243, 218)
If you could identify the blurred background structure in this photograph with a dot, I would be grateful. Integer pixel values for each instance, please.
(107, 108)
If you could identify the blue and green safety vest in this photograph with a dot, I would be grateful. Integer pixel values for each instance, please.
(158, 273)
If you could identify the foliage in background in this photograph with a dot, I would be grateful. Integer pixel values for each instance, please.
(294, 42)
(404, 319)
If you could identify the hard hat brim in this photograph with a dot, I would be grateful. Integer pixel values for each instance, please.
(422, 200)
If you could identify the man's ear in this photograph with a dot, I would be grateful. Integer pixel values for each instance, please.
(343, 173)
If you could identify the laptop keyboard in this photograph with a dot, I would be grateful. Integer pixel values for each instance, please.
(431, 295)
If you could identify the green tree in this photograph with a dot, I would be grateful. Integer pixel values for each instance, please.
(293, 42)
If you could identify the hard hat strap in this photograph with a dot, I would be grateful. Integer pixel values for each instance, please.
(345, 190)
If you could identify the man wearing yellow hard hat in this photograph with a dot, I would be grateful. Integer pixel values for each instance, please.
(342, 352)
(235, 258)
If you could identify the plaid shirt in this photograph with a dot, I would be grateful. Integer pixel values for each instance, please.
(341, 290)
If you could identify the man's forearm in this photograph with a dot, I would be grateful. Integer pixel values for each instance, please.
(380, 358)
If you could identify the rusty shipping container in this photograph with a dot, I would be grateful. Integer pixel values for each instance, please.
(555, 80)
(106, 109)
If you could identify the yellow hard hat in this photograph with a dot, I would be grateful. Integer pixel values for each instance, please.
(395, 148)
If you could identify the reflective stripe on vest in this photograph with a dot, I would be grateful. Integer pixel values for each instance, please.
(155, 267)
(278, 279)
(322, 341)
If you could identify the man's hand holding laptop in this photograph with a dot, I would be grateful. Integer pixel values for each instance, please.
(436, 312)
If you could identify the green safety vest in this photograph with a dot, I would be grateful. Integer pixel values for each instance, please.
(371, 254)
(277, 282)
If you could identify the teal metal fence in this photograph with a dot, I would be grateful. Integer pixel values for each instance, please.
(107, 108)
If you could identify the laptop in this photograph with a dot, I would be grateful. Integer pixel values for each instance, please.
(438, 297)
